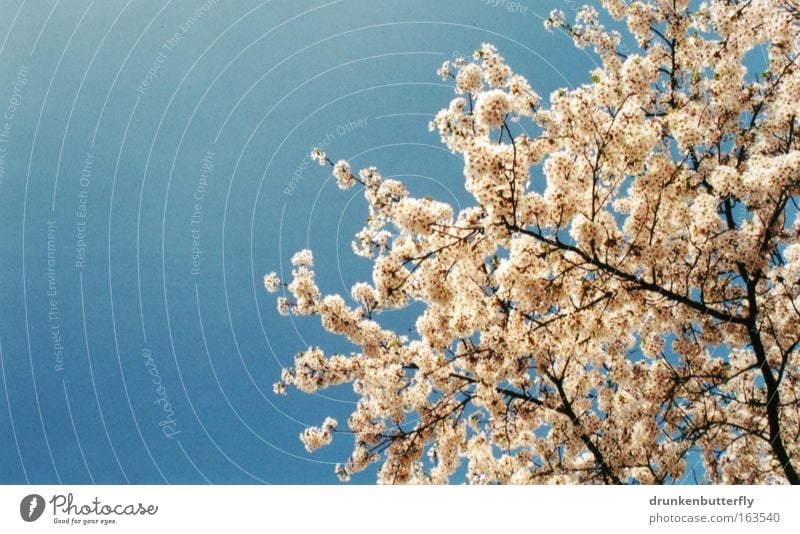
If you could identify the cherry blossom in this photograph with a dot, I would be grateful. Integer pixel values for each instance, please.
(318, 155)
(633, 319)
(271, 282)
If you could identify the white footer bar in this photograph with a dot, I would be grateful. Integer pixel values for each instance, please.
(351, 508)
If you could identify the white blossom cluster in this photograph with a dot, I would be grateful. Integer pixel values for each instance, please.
(343, 174)
(318, 155)
(315, 437)
(636, 301)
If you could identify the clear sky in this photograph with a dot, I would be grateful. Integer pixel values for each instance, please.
(152, 170)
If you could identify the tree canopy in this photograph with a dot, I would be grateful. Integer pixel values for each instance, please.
(633, 310)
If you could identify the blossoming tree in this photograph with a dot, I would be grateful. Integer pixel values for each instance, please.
(636, 313)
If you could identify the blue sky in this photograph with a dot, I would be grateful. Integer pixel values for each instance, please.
(139, 131)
